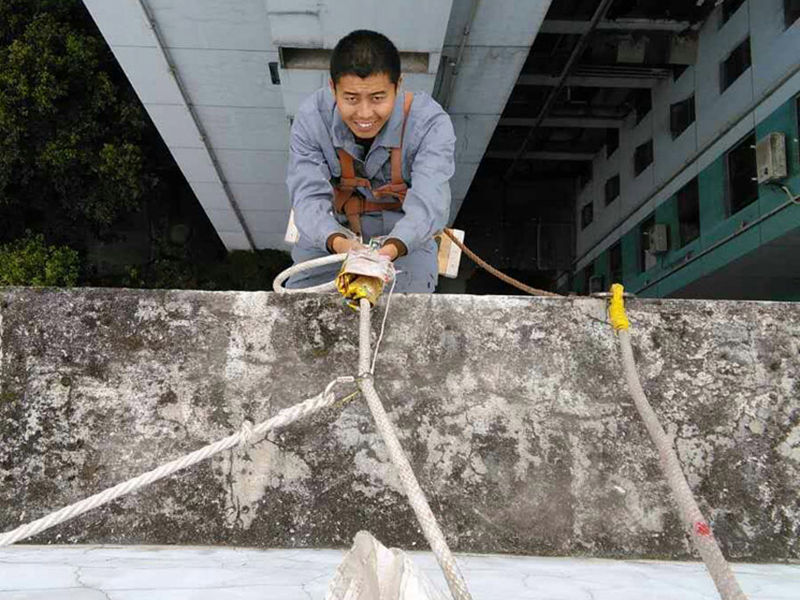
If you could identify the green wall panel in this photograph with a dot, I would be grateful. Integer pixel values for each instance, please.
(682, 277)
(715, 223)
(629, 259)
(780, 224)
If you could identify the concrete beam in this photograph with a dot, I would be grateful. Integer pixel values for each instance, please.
(590, 81)
(511, 408)
(580, 122)
(540, 155)
(580, 27)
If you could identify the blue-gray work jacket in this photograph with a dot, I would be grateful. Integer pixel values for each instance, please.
(428, 165)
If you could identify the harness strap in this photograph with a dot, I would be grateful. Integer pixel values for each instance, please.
(348, 202)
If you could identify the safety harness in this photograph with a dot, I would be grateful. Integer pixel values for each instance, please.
(346, 198)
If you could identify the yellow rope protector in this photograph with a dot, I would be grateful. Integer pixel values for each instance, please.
(355, 287)
(363, 274)
(616, 308)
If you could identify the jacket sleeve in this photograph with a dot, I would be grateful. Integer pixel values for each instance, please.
(427, 203)
(310, 189)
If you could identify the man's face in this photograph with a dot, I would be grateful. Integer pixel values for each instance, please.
(365, 103)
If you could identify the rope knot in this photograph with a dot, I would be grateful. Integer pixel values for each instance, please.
(245, 433)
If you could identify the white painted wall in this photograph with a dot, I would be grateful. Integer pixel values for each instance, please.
(220, 51)
(721, 120)
(499, 41)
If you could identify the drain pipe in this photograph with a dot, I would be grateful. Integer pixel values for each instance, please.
(151, 23)
(454, 65)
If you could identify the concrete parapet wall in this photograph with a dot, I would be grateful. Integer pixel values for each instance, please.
(513, 411)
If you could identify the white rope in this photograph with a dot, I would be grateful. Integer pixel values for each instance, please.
(330, 286)
(698, 528)
(245, 435)
(416, 497)
(383, 326)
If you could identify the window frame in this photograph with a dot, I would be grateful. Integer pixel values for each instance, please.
(726, 13)
(674, 109)
(588, 273)
(797, 125)
(616, 178)
(748, 142)
(640, 150)
(693, 186)
(724, 84)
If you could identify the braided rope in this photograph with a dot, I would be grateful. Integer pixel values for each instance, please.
(416, 497)
(697, 526)
(244, 436)
(496, 272)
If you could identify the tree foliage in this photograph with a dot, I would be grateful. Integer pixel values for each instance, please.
(29, 261)
(71, 130)
(78, 156)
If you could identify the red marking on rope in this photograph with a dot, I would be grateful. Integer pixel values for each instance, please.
(702, 528)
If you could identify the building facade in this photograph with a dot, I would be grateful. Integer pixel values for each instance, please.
(685, 160)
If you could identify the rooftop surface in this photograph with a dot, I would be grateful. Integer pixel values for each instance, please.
(213, 573)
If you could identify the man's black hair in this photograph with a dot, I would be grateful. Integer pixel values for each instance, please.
(364, 53)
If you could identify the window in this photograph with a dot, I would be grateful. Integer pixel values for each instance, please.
(729, 7)
(642, 157)
(615, 263)
(588, 273)
(612, 141)
(587, 214)
(677, 71)
(741, 163)
(612, 189)
(681, 115)
(798, 125)
(585, 175)
(647, 260)
(689, 212)
(597, 283)
(791, 11)
(737, 63)
(642, 102)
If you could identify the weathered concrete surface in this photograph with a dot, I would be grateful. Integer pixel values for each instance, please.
(513, 411)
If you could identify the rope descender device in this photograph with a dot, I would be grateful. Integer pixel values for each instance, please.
(364, 273)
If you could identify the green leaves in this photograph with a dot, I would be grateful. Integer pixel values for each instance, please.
(29, 261)
(71, 129)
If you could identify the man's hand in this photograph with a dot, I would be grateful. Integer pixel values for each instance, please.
(342, 245)
(393, 248)
(389, 250)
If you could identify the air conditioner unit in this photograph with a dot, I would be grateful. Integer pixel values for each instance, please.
(771, 157)
(632, 50)
(656, 239)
